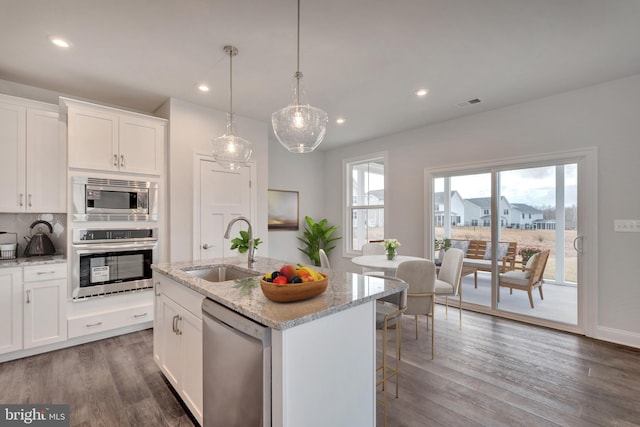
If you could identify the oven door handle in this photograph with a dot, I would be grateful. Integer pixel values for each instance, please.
(117, 247)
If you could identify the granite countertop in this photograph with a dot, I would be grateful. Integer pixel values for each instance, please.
(345, 290)
(34, 260)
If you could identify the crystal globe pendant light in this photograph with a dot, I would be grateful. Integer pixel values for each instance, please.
(299, 127)
(229, 150)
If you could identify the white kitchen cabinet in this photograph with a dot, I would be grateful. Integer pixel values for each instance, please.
(45, 291)
(10, 309)
(33, 161)
(107, 139)
(178, 333)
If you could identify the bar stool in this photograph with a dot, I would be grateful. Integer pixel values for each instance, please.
(389, 311)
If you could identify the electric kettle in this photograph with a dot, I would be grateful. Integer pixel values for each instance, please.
(40, 244)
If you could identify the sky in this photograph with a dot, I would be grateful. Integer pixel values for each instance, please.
(533, 186)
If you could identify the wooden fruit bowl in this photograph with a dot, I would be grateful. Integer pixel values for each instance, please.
(294, 291)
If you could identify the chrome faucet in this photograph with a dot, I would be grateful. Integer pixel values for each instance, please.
(250, 257)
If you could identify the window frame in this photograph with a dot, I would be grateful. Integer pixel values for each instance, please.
(349, 207)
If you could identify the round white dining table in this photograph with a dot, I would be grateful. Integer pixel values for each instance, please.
(380, 262)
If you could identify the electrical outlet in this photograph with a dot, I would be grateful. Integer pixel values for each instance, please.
(626, 225)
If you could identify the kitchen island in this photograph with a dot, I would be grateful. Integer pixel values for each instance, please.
(322, 349)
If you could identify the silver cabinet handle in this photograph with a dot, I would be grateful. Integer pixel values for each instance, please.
(92, 325)
(175, 324)
(206, 246)
(45, 272)
(115, 160)
(121, 161)
(30, 200)
(29, 296)
(140, 315)
(178, 330)
(21, 197)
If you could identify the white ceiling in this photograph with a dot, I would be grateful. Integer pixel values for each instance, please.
(362, 59)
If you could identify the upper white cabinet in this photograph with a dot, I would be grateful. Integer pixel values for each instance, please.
(107, 139)
(33, 161)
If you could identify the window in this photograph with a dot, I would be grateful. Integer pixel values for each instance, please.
(364, 201)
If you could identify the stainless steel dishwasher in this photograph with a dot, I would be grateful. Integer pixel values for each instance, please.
(236, 369)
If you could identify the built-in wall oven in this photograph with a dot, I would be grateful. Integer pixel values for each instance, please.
(108, 261)
(101, 199)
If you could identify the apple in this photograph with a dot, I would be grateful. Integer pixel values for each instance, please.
(288, 271)
(280, 280)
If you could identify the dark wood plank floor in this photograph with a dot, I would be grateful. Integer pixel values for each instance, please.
(493, 372)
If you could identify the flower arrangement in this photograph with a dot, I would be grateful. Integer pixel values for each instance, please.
(442, 244)
(528, 252)
(391, 246)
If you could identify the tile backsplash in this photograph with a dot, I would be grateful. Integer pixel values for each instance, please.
(20, 222)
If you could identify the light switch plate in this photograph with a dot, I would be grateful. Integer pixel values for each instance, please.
(626, 225)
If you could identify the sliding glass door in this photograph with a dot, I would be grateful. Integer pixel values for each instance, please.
(523, 211)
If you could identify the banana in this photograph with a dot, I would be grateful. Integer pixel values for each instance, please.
(314, 274)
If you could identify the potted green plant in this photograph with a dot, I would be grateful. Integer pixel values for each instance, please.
(242, 243)
(316, 236)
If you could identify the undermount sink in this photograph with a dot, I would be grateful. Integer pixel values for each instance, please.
(222, 273)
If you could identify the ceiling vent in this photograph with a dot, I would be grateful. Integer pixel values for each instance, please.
(469, 102)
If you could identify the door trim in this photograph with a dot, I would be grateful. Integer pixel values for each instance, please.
(586, 158)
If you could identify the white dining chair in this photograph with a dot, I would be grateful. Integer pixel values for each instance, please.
(421, 277)
(324, 259)
(372, 248)
(448, 281)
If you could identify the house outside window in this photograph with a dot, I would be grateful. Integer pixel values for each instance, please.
(364, 213)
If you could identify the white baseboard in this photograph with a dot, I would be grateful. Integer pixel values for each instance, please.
(618, 336)
(75, 341)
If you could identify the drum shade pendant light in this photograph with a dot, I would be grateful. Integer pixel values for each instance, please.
(299, 127)
(229, 150)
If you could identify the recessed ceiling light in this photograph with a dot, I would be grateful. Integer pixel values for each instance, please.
(60, 42)
(340, 120)
(203, 88)
(421, 92)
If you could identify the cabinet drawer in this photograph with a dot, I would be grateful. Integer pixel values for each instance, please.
(37, 273)
(93, 323)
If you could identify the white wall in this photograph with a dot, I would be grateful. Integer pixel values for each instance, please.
(603, 116)
(296, 172)
(191, 129)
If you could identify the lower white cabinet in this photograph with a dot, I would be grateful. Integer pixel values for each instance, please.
(45, 291)
(177, 339)
(32, 306)
(10, 309)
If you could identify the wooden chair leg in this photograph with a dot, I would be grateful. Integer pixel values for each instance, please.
(416, 316)
(540, 289)
(433, 328)
(530, 298)
(460, 301)
(446, 307)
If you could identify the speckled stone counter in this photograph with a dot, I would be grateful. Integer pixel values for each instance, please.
(34, 260)
(345, 290)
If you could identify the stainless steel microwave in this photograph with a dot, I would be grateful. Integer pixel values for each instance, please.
(101, 199)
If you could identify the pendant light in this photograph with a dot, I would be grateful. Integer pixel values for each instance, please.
(229, 150)
(299, 127)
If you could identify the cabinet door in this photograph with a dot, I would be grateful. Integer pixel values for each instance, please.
(141, 146)
(44, 319)
(12, 160)
(191, 333)
(93, 139)
(46, 163)
(10, 309)
(171, 363)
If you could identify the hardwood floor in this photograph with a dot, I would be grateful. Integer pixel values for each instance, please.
(112, 382)
(493, 372)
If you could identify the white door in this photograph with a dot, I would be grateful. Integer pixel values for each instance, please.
(224, 195)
